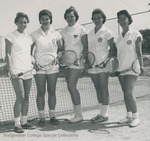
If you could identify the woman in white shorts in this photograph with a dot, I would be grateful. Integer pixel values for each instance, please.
(46, 40)
(128, 49)
(75, 38)
(101, 43)
(18, 57)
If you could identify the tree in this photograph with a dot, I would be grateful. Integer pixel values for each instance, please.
(146, 41)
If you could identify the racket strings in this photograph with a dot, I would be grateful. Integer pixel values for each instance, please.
(140, 66)
(145, 69)
(136, 66)
(67, 58)
(111, 65)
(46, 61)
(87, 60)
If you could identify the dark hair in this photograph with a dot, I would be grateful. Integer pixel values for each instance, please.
(99, 11)
(45, 12)
(71, 9)
(22, 15)
(126, 13)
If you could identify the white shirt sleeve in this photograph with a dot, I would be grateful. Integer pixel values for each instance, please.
(83, 31)
(10, 37)
(59, 36)
(109, 35)
(32, 37)
(138, 34)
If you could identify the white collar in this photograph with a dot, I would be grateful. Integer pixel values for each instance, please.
(74, 26)
(50, 30)
(18, 33)
(102, 29)
(128, 32)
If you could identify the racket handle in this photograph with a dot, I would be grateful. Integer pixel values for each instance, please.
(19, 74)
(117, 73)
(99, 66)
(77, 63)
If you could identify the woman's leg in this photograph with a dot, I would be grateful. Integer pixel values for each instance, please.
(72, 76)
(130, 81)
(25, 105)
(95, 80)
(122, 83)
(19, 91)
(40, 80)
(129, 84)
(101, 85)
(72, 79)
(51, 88)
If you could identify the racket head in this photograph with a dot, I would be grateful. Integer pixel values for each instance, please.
(46, 61)
(87, 60)
(145, 61)
(111, 65)
(67, 58)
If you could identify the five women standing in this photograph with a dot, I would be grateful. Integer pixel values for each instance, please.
(99, 40)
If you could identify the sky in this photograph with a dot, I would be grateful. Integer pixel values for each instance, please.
(9, 8)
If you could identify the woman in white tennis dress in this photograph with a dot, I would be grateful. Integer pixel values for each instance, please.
(101, 43)
(18, 50)
(74, 36)
(128, 49)
(46, 41)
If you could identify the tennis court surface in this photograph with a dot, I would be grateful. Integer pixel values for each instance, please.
(108, 131)
(87, 131)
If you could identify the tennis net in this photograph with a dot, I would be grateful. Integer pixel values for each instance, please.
(64, 104)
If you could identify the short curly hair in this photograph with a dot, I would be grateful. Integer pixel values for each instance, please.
(71, 9)
(45, 12)
(99, 11)
(21, 15)
(126, 13)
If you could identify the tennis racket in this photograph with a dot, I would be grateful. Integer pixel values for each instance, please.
(99, 131)
(87, 60)
(110, 65)
(44, 62)
(135, 66)
(67, 58)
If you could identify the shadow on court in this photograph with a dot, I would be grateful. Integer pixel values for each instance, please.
(6, 128)
(86, 130)
(64, 125)
(84, 125)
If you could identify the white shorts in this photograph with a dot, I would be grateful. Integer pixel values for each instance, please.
(53, 70)
(130, 73)
(75, 67)
(25, 76)
(95, 70)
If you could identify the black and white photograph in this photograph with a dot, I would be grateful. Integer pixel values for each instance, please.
(74, 70)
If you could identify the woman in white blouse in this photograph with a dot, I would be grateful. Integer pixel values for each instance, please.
(128, 45)
(75, 38)
(101, 43)
(18, 50)
(46, 40)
